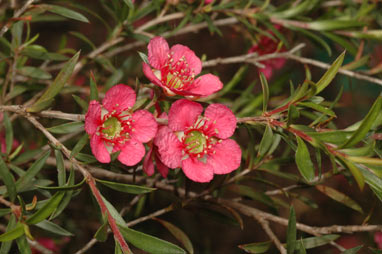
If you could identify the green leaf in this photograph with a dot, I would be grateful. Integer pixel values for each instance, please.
(313, 242)
(114, 213)
(80, 144)
(251, 193)
(328, 25)
(6, 246)
(63, 187)
(57, 84)
(23, 245)
(65, 12)
(239, 75)
(12, 234)
(41, 105)
(66, 128)
(264, 86)
(4, 211)
(101, 234)
(329, 74)
(8, 133)
(297, 10)
(266, 141)
(32, 172)
(144, 57)
(358, 176)
(179, 235)
(81, 102)
(39, 52)
(83, 38)
(47, 209)
(339, 197)
(291, 233)
(303, 160)
(149, 243)
(333, 137)
(256, 248)
(366, 124)
(66, 199)
(293, 114)
(54, 228)
(318, 107)
(8, 180)
(61, 172)
(373, 181)
(352, 250)
(93, 88)
(128, 188)
(34, 72)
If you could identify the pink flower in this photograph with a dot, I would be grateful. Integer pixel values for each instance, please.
(175, 69)
(47, 243)
(378, 239)
(153, 156)
(113, 126)
(197, 144)
(267, 46)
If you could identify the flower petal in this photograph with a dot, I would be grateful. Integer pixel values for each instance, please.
(223, 118)
(158, 50)
(162, 169)
(144, 126)
(148, 164)
(99, 149)
(131, 153)
(169, 147)
(227, 157)
(120, 97)
(194, 64)
(197, 171)
(182, 114)
(150, 75)
(93, 117)
(206, 85)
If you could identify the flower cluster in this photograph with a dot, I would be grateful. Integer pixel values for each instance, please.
(265, 46)
(200, 145)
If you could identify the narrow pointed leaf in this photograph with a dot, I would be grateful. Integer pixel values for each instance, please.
(12, 234)
(66, 128)
(6, 246)
(291, 233)
(54, 228)
(64, 187)
(32, 171)
(61, 172)
(47, 209)
(313, 242)
(81, 102)
(303, 160)
(80, 144)
(93, 88)
(330, 74)
(66, 12)
(352, 250)
(8, 179)
(8, 133)
(339, 197)
(366, 124)
(266, 141)
(179, 235)
(264, 86)
(358, 176)
(256, 248)
(34, 72)
(23, 245)
(128, 188)
(149, 243)
(57, 84)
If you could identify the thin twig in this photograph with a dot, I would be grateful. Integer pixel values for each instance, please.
(16, 15)
(265, 225)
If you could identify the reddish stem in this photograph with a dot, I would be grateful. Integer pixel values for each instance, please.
(112, 223)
